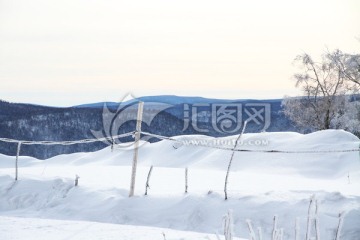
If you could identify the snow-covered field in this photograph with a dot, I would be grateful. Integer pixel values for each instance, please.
(261, 185)
(45, 229)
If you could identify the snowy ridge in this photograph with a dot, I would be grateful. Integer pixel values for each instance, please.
(261, 185)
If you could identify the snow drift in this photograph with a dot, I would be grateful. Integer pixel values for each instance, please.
(261, 184)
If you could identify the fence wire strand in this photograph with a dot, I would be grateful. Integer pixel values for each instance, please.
(89, 140)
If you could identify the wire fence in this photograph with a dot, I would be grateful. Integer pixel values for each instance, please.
(89, 140)
(193, 141)
(182, 141)
(200, 143)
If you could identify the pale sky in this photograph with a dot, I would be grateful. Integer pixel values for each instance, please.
(70, 52)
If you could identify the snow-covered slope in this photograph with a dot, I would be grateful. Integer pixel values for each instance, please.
(260, 184)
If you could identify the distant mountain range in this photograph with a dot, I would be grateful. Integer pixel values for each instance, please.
(176, 100)
(182, 115)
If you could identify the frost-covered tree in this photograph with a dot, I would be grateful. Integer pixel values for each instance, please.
(347, 64)
(349, 118)
(325, 102)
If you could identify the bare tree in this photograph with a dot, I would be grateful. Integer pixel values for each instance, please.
(325, 94)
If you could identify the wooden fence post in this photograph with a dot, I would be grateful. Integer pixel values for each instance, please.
(148, 180)
(136, 147)
(275, 230)
(309, 218)
(17, 159)
(338, 230)
(251, 230)
(231, 158)
(76, 180)
(186, 180)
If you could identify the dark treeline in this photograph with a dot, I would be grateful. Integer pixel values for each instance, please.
(33, 122)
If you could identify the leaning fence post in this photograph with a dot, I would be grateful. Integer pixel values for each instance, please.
(136, 146)
(338, 230)
(309, 218)
(17, 159)
(231, 158)
(147, 180)
(251, 229)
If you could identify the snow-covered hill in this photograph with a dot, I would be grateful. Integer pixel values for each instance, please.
(260, 185)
